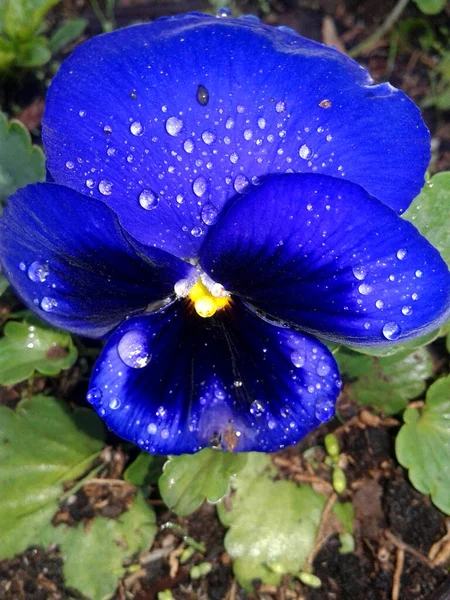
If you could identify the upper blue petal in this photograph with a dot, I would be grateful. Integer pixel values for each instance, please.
(69, 261)
(166, 121)
(173, 382)
(321, 253)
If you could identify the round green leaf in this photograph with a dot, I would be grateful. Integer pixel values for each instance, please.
(423, 444)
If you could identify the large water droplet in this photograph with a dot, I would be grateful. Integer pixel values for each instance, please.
(164, 433)
(136, 128)
(208, 137)
(69, 165)
(323, 368)
(280, 107)
(324, 409)
(133, 349)
(241, 183)
(234, 158)
(199, 186)
(152, 429)
(391, 331)
(114, 403)
(196, 231)
(202, 95)
(262, 123)
(105, 187)
(298, 359)
(401, 253)
(359, 272)
(248, 134)
(94, 395)
(407, 310)
(48, 304)
(418, 274)
(148, 199)
(174, 125)
(209, 214)
(229, 123)
(379, 304)
(305, 152)
(222, 13)
(364, 289)
(38, 271)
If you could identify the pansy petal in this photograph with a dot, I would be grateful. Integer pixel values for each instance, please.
(173, 382)
(322, 254)
(69, 261)
(166, 121)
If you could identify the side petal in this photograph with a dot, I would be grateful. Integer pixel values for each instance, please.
(173, 382)
(322, 254)
(165, 121)
(69, 261)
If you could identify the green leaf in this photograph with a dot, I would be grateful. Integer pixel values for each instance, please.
(431, 7)
(273, 524)
(42, 445)
(21, 163)
(21, 18)
(4, 284)
(190, 479)
(66, 33)
(138, 472)
(33, 346)
(387, 383)
(34, 53)
(94, 557)
(429, 213)
(423, 444)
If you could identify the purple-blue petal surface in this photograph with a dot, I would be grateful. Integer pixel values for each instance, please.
(68, 259)
(322, 254)
(166, 121)
(173, 382)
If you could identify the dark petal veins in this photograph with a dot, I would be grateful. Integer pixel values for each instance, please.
(322, 254)
(166, 121)
(69, 261)
(173, 382)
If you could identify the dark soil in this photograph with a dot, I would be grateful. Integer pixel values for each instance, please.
(393, 522)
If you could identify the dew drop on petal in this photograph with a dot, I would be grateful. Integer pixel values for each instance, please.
(114, 403)
(90, 183)
(223, 13)
(208, 137)
(48, 304)
(136, 128)
(180, 198)
(209, 214)
(256, 408)
(199, 186)
(379, 304)
(202, 95)
(364, 289)
(359, 272)
(133, 349)
(323, 368)
(148, 199)
(391, 331)
(325, 103)
(262, 123)
(234, 158)
(69, 165)
(22, 266)
(280, 107)
(229, 123)
(414, 296)
(418, 273)
(152, 429)
(401, 253)
(164, 433)
(298, 359)
(196, 231)
(407, 310)
(107, 129)
(305, 152)
(241, 183)
(38, 271)
(94, 395)
(105, 187)
(324, 409)
(248, 134)
(188, 146)
(174, 125)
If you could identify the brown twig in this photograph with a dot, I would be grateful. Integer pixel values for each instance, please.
(320, 537)
(398, 573)
(398, 543)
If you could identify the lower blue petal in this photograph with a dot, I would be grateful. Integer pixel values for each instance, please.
(322, 254)
(174, 383)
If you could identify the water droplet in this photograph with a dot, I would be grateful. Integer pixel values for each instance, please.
(148, 199)
(391, 331)
(174, 125)
(202, 95)
(240, 108)
(136, 128)
(234, 158)
(280, 107)
(107, 129)
(262, 123)
(325, 103)
(188, 146)
(298, 359)
(196, 231)
(237, 383)
(133, 349)
(323, 368)
(248, 134)
(407, 310)
(359, 272)
(48, 304)
(164, 433)
(152, 429)
(199, 186)
(241, 183)
(324, 409)
(209, 214)
(223, 13)
(329, 137)
(418, 273)
(94, 395)
(114, 403)
(379, 304)
(180, 198)
(90, 183)
(105, 187)
(305, 152)
(69, 165)
(38, 271)
(22, 266)
(111, 151)
(401, 253)
(271, 424)
(208, 137)
(82, 113)
(414, 296)
(256, 408)
(364, 289)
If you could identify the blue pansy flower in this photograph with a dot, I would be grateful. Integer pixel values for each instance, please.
(223, 194)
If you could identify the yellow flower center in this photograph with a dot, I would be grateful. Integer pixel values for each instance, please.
(205, 304)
